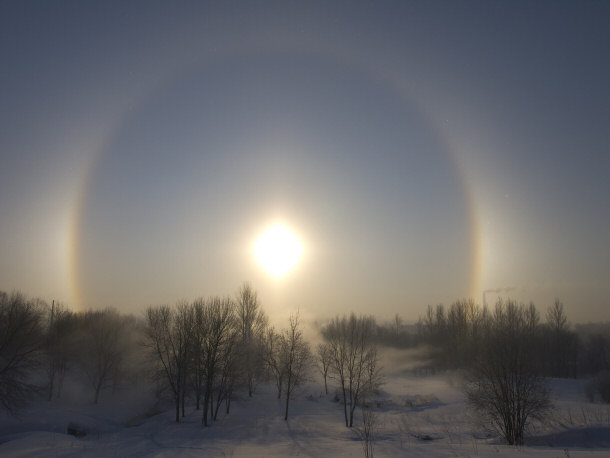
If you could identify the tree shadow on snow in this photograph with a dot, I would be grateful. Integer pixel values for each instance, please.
(591, 437)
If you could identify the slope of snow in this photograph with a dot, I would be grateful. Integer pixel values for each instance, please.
(417, 416)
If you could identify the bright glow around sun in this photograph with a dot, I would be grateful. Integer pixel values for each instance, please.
(278, 250)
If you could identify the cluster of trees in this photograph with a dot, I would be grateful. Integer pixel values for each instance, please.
(210, 347)
(349, 355)
(200, 352)
(455, 335)
(20, 340)
(207, 349)
(40, 345)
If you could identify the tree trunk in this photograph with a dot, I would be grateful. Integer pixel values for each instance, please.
(98, 387)
(182, 402)
(351, 404)
(177, 396)
(250, 385)
(219, 398)
(287, 401)
(206, 407)
(212, 406)
(60, 381)
(51, 380)
(345, 405)
(228, 401)
(352, 408)
(279, 389)
(182, 386)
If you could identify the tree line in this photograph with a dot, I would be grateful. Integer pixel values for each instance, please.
(201, 353)
(454, 335)
(197, 353)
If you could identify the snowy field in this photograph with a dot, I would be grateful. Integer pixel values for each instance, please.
(419, 416)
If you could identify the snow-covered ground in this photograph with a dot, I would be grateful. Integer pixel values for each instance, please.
(417, 416)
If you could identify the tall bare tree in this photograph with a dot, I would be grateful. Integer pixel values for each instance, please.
(219, 315)
(561, 354)
(169, 334)
(295, 357)
(354, 358)
(100, 347)
(324, 356)
(271, 354)
(59, 346)
(229, 375)
(251, 323)
(197, 373)
(556, 317)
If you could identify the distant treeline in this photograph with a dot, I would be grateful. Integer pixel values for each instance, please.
(453, 335)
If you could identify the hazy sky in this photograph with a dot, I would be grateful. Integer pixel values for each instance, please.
(423, 152)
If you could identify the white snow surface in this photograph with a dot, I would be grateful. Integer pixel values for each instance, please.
(417, 416)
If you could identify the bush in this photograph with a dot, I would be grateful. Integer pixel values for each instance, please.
(503, 384)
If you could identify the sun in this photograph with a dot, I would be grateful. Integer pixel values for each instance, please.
(278, 250)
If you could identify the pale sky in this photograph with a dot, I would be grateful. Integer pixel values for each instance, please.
(422, 152)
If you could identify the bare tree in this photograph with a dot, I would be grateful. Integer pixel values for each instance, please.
(397, 325)
(185, 326)
(251, 323)
(49, 347)
(295, 357)
(271, 354)
(556, 317)
(219, 317)
(324, 360)
(561, 343)
(434, 326)
(169, 334)
(59, 347)
(461, 318)
(197, 373)
(504, 385)
(229, 373)
(368, 430)
(372, 372)
(353, 358)
(100, 347)
(21, 339)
